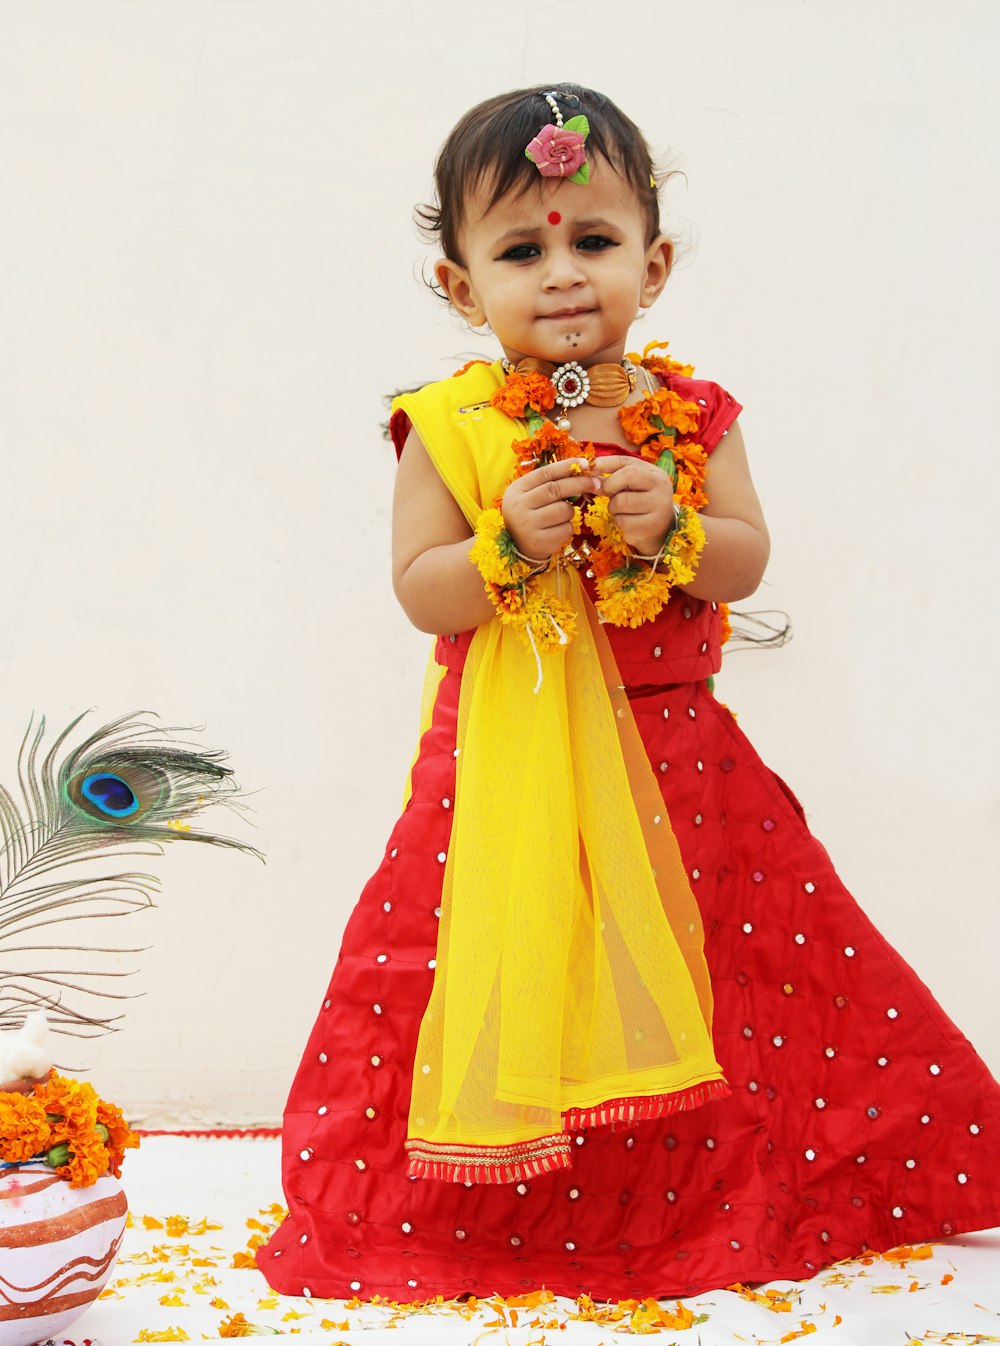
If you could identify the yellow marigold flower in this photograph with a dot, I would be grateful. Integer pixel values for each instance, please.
(600, 522)
(24, 1128)
(727, 626)
(632, 601)
(493, 552)
(551, 618)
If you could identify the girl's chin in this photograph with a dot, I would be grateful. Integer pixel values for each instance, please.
(560, 351)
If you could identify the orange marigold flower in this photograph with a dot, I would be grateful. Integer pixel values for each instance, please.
(692, 456)
(88, 1159)
(521, 391)
(549, 444)
(73, 1102)
(234, 1326)
(687, 491)
(727, 626)
(468, 365)
(120, 1135)
(675, 410)
(24, 1128)
(506, 600)
(652, 448)
(660, 364)
(603, 561)
(635, 421)
(539, 392)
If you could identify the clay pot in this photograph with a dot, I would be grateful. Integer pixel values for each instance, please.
(58, 1245)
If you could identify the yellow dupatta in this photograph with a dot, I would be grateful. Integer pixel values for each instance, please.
(570, 988)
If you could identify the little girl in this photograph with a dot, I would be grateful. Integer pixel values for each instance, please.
(604, 1020)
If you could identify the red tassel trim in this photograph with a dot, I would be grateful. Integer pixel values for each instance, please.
(531, 1158)
(624, 1111)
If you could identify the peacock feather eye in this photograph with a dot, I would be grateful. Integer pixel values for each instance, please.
(110, 794)
(117, 793)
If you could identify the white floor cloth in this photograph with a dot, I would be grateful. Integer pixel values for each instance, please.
(191, 1200)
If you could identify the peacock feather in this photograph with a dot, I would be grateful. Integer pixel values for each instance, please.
(124, 791)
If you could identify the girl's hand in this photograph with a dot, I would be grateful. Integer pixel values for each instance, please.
(537, 509)
(642, 500)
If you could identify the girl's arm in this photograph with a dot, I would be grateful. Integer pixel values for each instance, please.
(737, 545)
(736, 542)
(438, 587)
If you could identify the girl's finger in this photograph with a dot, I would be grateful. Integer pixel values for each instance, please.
(554, 515)
(630, 502)
(546, 484)
(630, 473)
(613, 462)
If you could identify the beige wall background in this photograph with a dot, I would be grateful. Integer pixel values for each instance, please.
(211, 279)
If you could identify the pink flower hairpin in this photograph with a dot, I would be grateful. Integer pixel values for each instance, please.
(557, 151)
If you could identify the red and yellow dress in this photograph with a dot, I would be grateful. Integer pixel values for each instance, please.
(857, 1114)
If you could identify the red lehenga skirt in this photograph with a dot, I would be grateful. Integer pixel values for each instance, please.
(859, 1117)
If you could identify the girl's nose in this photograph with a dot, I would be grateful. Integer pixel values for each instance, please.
(562, 269)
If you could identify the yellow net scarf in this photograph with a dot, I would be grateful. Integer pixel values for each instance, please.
(571, 988)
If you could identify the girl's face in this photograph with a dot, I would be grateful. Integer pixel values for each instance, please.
(560, 271)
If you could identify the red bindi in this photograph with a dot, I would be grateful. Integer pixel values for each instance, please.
(554, 217)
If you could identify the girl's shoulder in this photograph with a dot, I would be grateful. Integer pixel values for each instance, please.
(474, 382)
(717, 408)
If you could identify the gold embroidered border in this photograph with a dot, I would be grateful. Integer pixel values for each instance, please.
(523, 1152)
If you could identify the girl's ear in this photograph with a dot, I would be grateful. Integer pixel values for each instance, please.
(659, 259)
(454, 281)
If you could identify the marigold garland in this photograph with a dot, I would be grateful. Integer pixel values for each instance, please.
(65, 1123)
(662, 425)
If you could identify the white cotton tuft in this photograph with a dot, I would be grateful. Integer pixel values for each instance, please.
(26, 1053)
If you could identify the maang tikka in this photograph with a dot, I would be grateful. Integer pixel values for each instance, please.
(557, 151)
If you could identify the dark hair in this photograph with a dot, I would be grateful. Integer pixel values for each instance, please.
(486, 150)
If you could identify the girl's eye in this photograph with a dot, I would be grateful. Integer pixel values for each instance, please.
(596, 243)
(521, 252)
